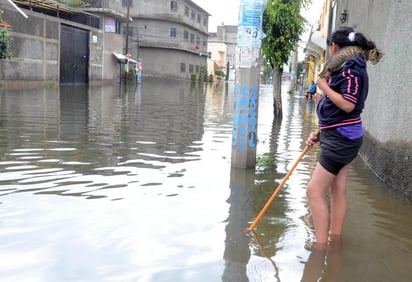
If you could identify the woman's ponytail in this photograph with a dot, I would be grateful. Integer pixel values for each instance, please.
(345, 36)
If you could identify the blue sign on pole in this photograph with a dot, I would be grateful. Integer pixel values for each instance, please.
(250, 23)
(250, 18)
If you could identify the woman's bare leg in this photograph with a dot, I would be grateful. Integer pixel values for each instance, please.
(338, 202)
(317, 188)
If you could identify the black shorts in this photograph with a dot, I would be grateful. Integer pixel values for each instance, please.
(336, 151)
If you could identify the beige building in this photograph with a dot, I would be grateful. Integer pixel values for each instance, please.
(316, 47)
(217, 57)
(222, 49)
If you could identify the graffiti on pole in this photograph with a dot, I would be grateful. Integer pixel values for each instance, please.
(245, 118)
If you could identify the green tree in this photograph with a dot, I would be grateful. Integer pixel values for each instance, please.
(282, 24)
(5, 52)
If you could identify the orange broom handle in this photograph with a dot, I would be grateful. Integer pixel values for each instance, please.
(269, 202)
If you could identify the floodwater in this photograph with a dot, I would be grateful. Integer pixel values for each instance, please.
(112, 184)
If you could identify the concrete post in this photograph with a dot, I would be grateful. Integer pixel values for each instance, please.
(126, 74)
(245, 117)
(294, 68)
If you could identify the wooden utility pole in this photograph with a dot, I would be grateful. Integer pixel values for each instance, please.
(127, 26)
(245, 118)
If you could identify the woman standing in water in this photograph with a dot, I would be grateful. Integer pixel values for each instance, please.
(340, 133)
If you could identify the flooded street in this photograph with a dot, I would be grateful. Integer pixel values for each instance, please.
(112, 184)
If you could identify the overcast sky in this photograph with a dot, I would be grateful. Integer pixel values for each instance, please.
(227, 11)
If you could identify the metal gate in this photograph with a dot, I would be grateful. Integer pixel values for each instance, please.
(74, 55)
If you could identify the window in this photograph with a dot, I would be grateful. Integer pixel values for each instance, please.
(199, 17)
(197, 68)
(173, 6)
(125, 3)
(191, 68)
(173, 32)
(193, 15)
(186, 35)
(192, 38)
(118, 27)
(182, 67)
(130, 33)
(197, 40)
(187, 11)
(205, 21)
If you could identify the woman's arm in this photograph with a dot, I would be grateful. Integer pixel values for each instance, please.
(313, 138)
(335, 97)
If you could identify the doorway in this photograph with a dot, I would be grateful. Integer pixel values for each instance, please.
(74, 55)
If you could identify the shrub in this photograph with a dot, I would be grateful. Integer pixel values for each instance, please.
(5, 52)
(193, 76)
(131, 74)
(220, 73)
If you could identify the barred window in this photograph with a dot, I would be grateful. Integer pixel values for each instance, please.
(173, 6)
(125, 3)
(173, 32)
(130, 33)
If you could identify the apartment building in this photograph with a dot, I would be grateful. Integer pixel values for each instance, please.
(169, 37)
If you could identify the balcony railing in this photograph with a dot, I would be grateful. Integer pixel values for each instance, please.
(104, 4)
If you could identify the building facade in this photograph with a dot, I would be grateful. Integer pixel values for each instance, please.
(316, 50)
(387, 145)
(217, 57)
(58, 44)
(222, 49)
(169, 37)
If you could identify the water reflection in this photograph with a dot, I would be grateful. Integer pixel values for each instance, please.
(324, 264)
(135, 184)
(99, 137)
(262, 252)
(74, 111)
(237, 252)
